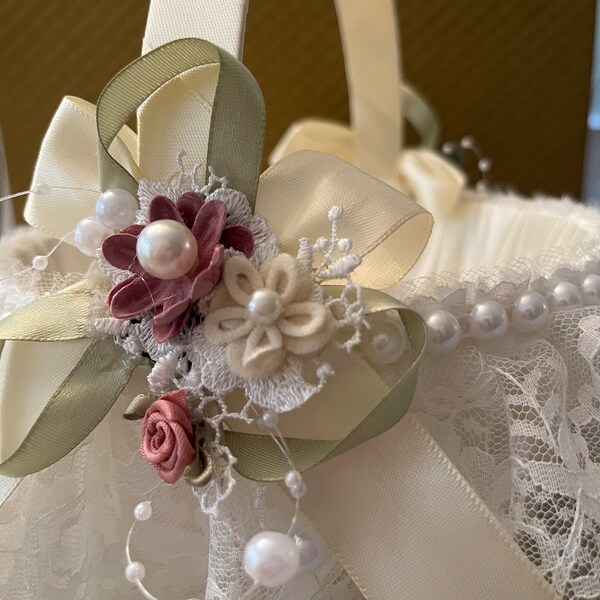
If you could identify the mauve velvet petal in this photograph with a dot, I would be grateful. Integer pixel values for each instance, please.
(239, 238)
(163, 333)
(133, 229)
(205, 282)
(119, 251)
(163, 208)
(208, 226)
(137, 297)
(121, 285)
(170, 311)
(189, 204)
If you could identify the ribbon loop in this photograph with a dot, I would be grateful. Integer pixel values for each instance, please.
(258, 456)
(389, 231)
(83, 398)
(235, 146)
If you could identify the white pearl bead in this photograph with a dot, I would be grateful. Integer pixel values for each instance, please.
(298, 491)
(292, 478)
(39, 262)
(143, 511)
(89, 235)
(41, 189)
(530, 312)
(444, 331)
(271, 558)
(166, 249)
(488, 320)
(484, 165)
(447, 148)
(566, 296)
(267, 420)
(116, 208)
(467, 142)
(590, 289)
(312, 550)
(135, 571)
(264, 306)
(384, 343)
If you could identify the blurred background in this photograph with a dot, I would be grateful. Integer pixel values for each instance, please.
(513, 74)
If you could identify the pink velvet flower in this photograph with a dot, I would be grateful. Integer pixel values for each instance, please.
(172, 299)
(168, 436)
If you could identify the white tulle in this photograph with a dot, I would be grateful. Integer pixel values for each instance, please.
(519, 417)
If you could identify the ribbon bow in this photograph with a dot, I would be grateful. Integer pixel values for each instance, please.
(58, 382)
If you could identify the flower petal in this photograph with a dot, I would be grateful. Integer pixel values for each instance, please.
(288, 278)
(258, 355)
(179, 398)
(138, 295)
(206, 280)
(166, 332)
(241, 279)
(239, 238)
(226, 325)
(162, 207)
(208, 227)
(133, 229)
(306, 327)
(188, 205)
(173, 308)
(119, 251)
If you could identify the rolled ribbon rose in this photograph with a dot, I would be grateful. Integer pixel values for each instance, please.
(168, 436)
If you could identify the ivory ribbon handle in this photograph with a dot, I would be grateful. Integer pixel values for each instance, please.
(183, 106)
(372, 58)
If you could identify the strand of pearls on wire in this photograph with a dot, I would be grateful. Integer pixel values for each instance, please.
(271, 558)
(529, 313)
(467, 143)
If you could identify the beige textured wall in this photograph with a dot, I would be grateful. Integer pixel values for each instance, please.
(513, 73)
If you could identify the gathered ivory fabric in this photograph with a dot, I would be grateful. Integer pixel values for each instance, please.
(487, 489)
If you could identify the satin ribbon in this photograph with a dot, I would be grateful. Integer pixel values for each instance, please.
(293, 195)
(379, 99)
(378, 404)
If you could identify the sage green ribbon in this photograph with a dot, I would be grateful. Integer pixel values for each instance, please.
(260, 458)
(237, 122)
(78, 405)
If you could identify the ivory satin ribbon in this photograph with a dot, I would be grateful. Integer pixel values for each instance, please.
(357, 542)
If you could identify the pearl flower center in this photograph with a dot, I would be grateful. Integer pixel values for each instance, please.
(166, 249)
(264, 307)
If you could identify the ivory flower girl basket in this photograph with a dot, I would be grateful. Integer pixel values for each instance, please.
(239, 318)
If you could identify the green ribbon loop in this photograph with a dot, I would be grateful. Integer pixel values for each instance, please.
(237, 126)
(259, 457)
(76, 408)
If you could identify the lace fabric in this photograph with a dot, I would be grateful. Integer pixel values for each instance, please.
(520, 418)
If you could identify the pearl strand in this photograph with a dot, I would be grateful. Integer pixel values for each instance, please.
(529, 313)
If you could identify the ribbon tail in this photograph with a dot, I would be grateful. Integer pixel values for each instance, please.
(396, 504)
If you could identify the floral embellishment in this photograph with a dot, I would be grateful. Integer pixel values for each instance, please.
(261, 315)
(168, 436)
(173, 299)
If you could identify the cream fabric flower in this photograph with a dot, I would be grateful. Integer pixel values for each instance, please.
(262, 315)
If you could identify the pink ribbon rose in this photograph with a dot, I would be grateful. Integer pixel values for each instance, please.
(168, 436)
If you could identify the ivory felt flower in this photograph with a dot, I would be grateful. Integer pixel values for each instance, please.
(173, 299)
(260, 316)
